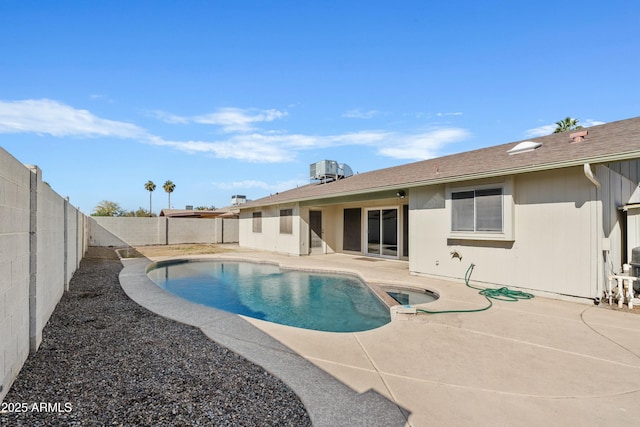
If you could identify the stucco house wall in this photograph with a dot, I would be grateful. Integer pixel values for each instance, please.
(563, 235)
(270, 238)
(620, 187)
(551, 248)
(566, 203)
(298, 242)
(333, 219)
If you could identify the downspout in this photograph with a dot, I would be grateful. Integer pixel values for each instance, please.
(599, 285)
(590, 176)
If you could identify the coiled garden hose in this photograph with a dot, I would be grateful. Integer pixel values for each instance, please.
(501, 294)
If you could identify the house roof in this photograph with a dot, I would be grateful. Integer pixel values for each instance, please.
(609, 142)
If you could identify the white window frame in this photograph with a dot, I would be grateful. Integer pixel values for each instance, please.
(506, 234)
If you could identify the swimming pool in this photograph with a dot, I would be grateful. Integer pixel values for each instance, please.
(324, 302)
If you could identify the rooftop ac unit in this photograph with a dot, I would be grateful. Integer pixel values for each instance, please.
(344, 170)
(238, 199)
(324, 169)
(329, 170)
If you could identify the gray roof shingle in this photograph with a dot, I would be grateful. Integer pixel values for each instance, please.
(603, 143)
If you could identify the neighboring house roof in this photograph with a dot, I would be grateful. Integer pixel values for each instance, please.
(228, 212)
(188, 213)
(610, 142)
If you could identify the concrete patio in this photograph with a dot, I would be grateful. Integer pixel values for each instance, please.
(532, 362)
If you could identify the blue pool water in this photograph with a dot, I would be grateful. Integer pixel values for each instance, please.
(333, 303)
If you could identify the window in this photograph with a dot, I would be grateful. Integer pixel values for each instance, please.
(477, 210)
(257, 222)
(286, 221)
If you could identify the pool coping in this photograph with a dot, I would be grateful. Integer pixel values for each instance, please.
(418, 369)
(380, 290)
(328, 401)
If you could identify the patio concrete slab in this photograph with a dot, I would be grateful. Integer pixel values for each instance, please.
(532, 362)
(338, 348)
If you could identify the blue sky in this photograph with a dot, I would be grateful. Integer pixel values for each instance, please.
(239, 97)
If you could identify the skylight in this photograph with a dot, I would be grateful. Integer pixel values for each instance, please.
(524, 147)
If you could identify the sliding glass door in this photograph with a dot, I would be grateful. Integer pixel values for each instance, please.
(382, 232)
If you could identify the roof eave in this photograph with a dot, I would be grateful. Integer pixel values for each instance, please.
(461, 178)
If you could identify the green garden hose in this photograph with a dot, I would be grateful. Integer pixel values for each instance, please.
(501, 294)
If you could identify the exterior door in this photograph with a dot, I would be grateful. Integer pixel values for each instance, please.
(382, 232)
(316, 244)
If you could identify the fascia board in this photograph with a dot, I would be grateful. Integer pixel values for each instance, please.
(461, 178)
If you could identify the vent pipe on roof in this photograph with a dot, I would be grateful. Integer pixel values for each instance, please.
(578, 136)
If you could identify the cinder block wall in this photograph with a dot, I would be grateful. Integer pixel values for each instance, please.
(230, 230)
(194, 230)
(76, 240)
(50, 273)
(128, 231)
(15, 183)
(42, 240)
(125, 231)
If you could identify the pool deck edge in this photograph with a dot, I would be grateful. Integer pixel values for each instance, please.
(328, 401)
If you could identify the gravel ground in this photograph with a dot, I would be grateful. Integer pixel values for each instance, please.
(104, 361)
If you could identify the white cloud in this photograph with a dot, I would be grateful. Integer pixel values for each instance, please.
(279, 146)
(422, 146)
(272, 147)
(590, 122)
(449, 114)
(45, 116)
(238, 120)
(99, 97)
(545, 130)
(54, 118)
(168, 117)
(357, 114)
(247, 148)
(229, 119)
(540, 131)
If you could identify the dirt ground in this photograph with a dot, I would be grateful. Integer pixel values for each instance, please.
(614, 306)
(110, 362)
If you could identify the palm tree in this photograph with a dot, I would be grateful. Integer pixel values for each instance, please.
(169, 187)
(567, 124)
(150, 186)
